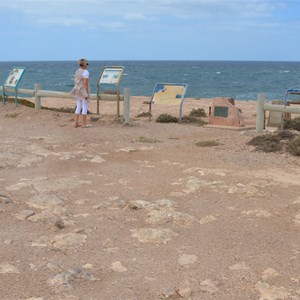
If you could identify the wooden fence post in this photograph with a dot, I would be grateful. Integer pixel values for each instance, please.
(260, 113)
(37, 98)
(126, 107)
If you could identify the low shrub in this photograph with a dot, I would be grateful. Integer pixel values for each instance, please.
(293, 124)
(266, 143)
(294, 147)
(192, 120)
(166, 118)
(199, 112)
(285, 134)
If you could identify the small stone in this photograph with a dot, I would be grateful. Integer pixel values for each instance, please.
(118, 267)
(24, 214)
(42, 241)
(8, 242)
(69, 241)
(239, 267)
(185, 292)
(146, 235)
(88, 266)
(5, 199)
(210, 286)
(138, 204)
(269, 273)
(186, 259)
(60, 224)
(170, 293)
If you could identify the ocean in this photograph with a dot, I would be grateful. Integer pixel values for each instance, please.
(242, 80)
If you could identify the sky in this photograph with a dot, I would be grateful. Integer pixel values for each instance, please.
(259, 30)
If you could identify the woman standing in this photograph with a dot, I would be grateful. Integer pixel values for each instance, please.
(81, 92)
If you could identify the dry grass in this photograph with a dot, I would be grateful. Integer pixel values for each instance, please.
(208, 144)
(145, 140)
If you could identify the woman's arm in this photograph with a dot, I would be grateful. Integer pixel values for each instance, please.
(86, 85)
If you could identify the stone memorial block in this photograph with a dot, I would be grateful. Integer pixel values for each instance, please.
(224, 113)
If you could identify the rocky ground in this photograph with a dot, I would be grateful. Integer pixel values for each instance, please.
(141, 212)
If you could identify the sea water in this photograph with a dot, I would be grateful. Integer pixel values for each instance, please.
(242, 80)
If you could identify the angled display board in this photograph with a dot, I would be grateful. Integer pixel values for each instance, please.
(12, 81)
(169, 93)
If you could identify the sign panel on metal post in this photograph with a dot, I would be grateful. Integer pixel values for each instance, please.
(110, 76)
(13, 81)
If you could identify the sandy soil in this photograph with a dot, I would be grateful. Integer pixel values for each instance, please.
(141, 212)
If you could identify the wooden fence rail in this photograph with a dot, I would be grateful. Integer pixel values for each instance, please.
(262, 107)
(37, 93)
(55, 94)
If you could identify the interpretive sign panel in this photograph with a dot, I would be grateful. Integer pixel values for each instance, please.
(14, 77)
(111, 75)
(169, 93)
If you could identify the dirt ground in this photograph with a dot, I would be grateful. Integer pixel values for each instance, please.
(141, 212)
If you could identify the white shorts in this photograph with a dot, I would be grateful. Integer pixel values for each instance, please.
(82, 107)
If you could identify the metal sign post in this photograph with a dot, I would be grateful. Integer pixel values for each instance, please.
(13, 81)
(113, 76)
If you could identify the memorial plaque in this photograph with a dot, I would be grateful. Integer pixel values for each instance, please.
(221, 111)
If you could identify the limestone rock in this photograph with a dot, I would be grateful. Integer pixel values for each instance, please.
(69, 241)
(207, 219)
(64, 280)
(152, 235)
(210, 286)
(24, 214)
(6, 268)
(48, 202)
(118, 267)
(269, 273)
(239, 267)
(187, 259)
(268, 292)
(257, 213)
(297, 219)
(42, 241)
(170, 293)
(138, 204)
(185, 292)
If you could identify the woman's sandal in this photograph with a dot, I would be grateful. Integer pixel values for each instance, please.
(77, 125)
(87, 126)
